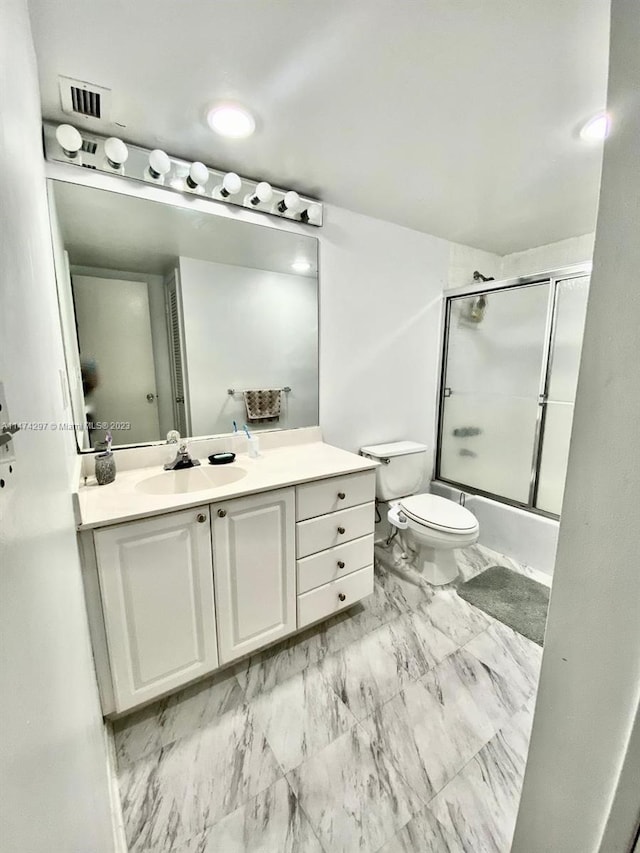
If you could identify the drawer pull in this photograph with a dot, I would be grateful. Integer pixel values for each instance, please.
(341, 496)
(341, 530)
(341, 596)
(341, 564)
(201, 517)
(222, 513)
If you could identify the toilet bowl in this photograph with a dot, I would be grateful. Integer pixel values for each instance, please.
(429, 527)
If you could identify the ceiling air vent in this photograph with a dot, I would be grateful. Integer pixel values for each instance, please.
(86, 102)
(85, 99)
(89, 146)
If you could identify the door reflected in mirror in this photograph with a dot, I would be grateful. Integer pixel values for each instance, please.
(177, 319)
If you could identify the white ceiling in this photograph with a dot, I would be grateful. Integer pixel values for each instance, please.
(454, 117)
(122, 232)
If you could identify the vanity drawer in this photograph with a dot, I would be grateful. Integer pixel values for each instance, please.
(334, 563)
(335, 596)
(336, 493)
(316, 534)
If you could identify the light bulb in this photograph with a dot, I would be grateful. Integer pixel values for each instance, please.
(597, 128)
(262, 194)
(116, 152)
(198, 176)
(290, 203)
(159, 165)
(301, 266)
(231, 120)
(69, 139)
(312, 215)
(231, 184)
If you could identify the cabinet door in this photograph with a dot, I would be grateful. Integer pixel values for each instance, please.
(254, 570)
(156, 582)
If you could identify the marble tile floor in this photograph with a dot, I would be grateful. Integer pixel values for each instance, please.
(400, 725)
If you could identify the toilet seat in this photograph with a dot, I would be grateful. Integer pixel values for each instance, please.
(436, 513)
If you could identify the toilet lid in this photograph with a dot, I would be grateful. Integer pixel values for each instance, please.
(439, 513)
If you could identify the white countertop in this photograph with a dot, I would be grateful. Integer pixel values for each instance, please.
(122, 500)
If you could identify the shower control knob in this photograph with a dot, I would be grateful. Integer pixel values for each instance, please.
(341, 564)
(222, 513)
(341, 530)
(341, 496)
(201, 517)
(341, 596)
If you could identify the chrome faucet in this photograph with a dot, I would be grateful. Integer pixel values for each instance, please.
(183, 459)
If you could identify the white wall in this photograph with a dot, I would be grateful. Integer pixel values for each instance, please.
(465, 259)
(380, 306)
(52, 751)
(564, 253)
(248, 328)
(589, 690)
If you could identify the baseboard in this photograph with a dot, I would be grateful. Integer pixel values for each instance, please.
(117, 821)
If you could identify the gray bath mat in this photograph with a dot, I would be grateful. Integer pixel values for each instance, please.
(512, 598)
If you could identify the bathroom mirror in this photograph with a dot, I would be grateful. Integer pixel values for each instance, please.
(175, 318)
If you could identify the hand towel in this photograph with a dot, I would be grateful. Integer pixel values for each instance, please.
(263, 404)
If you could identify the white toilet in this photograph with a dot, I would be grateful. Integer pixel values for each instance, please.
(430, 527)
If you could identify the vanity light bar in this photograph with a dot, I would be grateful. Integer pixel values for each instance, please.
(64, 143)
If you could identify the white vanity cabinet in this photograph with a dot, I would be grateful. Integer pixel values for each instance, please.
(156, 587)
(161, 623)
(175, 596)
(334, 534)
(254, 571)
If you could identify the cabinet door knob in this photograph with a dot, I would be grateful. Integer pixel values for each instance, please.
(341, 564)
(341, 530)
(341, 496)
(201, 517)
(222, 513)
(341, 596)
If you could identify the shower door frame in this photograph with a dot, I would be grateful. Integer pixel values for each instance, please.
(552, 277)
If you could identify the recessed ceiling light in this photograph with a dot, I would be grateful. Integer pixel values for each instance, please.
(231, 120)
(301, 266)
(596, 129)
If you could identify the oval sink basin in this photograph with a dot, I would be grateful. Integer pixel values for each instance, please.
(190, 480)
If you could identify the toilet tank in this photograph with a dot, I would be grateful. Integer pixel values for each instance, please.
(401, 469)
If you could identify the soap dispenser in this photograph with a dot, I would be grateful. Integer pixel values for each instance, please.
(106, 464)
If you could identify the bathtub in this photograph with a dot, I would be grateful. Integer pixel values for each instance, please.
(528, 538)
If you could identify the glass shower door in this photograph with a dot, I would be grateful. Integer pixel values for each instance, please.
(496, 346)
(564, 363)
